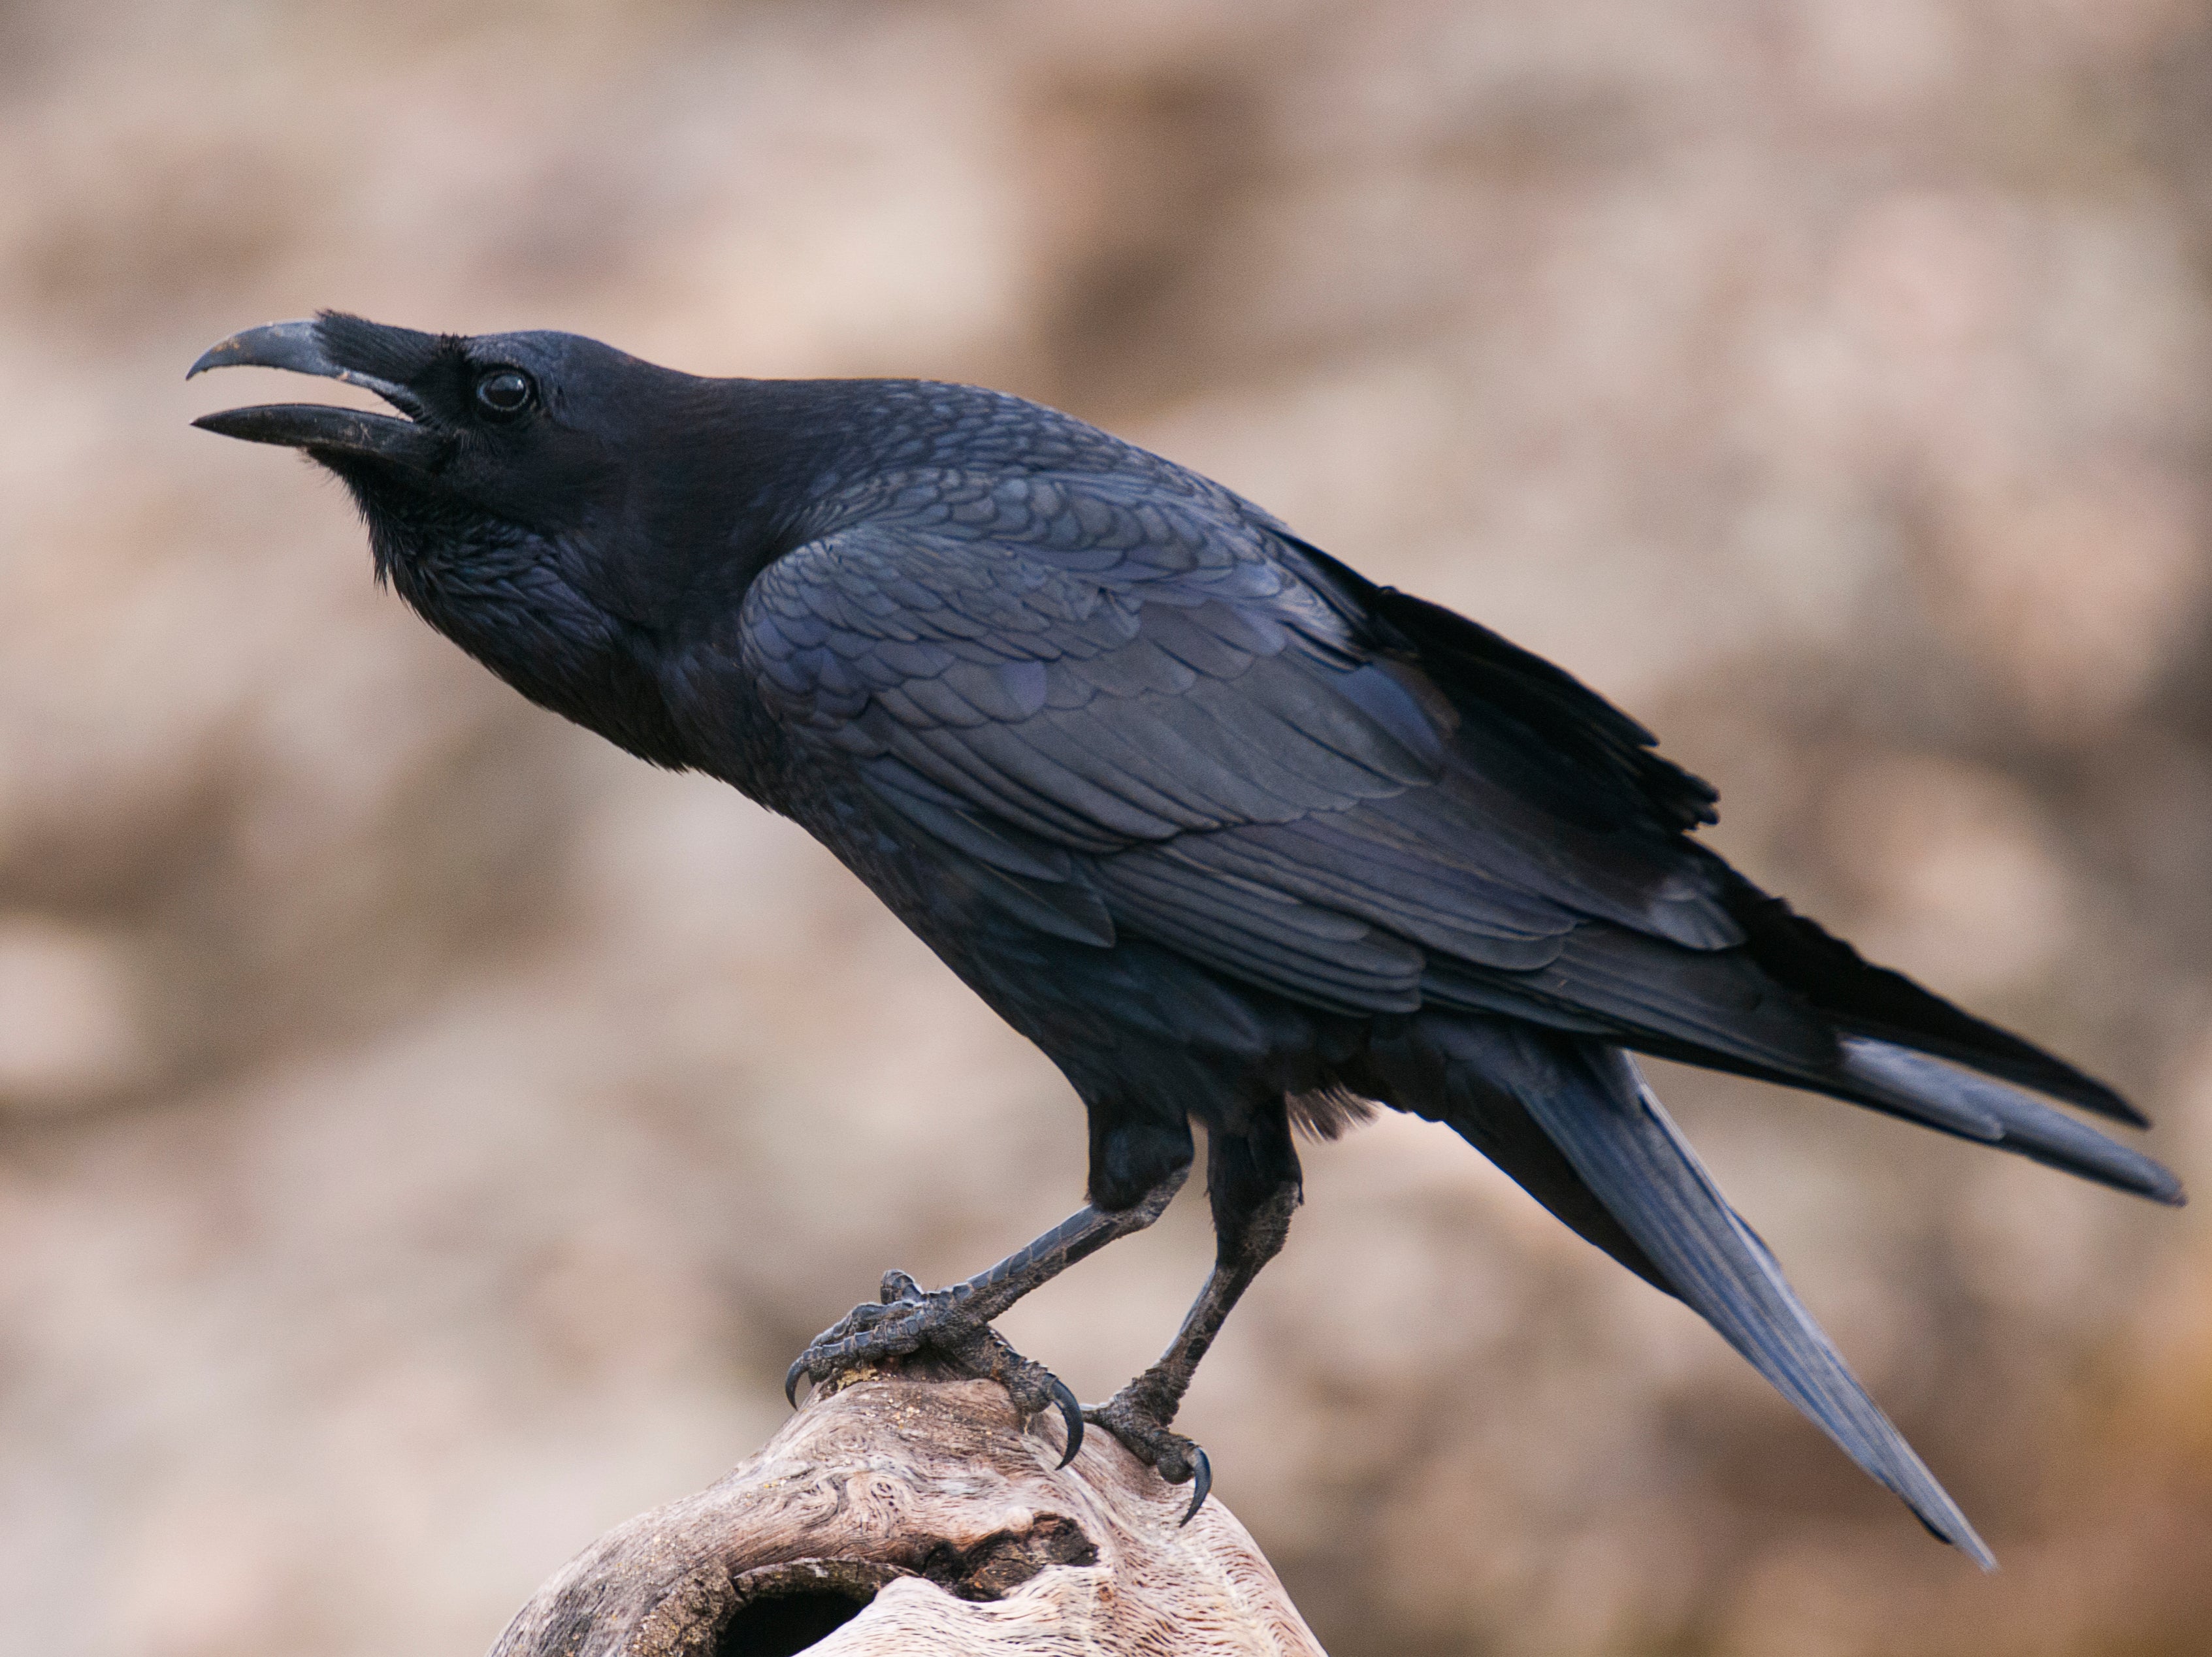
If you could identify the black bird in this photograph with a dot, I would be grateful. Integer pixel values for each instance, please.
(1229, 831)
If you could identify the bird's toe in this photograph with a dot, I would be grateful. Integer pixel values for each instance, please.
(1136, 1421)
(907, 1321)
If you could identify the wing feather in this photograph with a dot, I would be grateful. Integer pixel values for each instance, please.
(1011, 699)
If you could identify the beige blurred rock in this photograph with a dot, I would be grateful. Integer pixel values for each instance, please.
(2077, 591)
(1969, 889)
(71, 1032)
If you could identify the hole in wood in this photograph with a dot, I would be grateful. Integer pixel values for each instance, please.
(997, 1565)
(779, 1625)
(778, 1609)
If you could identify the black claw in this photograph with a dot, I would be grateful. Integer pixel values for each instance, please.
(1071, 1413)
(791, 1379)
(1202, 1477)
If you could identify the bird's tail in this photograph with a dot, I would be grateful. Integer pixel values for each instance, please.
(1573, 1121)
(1903, 1082)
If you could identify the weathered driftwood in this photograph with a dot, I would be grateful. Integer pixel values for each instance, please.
(917, 1516)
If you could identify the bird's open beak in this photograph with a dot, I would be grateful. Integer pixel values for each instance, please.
(309, 348)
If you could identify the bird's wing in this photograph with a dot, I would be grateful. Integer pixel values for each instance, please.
(1140, 715)
(1121, 713)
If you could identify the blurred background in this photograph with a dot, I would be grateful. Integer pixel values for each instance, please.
(425, 1134)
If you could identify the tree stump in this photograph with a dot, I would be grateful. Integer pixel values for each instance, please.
(911, 1514)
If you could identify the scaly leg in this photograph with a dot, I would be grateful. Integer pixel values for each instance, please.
(1254, 1186)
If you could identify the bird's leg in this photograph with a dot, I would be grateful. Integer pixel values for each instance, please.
(1254, 1186)
(953, 1324)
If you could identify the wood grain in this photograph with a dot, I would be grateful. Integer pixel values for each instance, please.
(913, 1514)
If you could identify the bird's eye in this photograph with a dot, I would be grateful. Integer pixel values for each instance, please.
(505, 392)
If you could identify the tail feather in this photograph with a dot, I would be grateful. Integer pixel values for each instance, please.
(1865, 999)
(1594, 1106)
(1924, 1089)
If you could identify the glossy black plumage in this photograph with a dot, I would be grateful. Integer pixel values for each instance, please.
(1230, 832)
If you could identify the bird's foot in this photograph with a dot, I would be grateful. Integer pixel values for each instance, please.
(1139, 1417)
(905, 1321)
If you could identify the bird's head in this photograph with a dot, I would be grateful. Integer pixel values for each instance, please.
(531, 495)
(497, 438)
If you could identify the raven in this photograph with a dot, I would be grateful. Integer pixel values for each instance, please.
(1230, 832)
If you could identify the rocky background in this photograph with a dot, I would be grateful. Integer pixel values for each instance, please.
(425, 1135)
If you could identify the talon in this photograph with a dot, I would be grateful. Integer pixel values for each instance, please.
(1201, 1477)
(1071, 1413)
(791, 1379)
